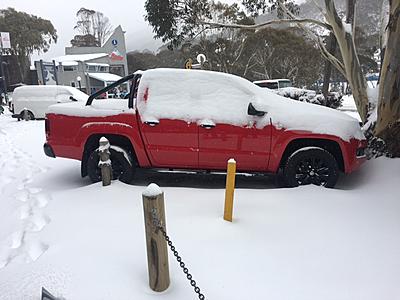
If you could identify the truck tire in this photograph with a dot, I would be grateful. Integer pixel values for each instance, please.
(121, 164)
(311, 165)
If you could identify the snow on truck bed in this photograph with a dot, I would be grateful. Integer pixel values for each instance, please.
(99, 108)
(197, 96)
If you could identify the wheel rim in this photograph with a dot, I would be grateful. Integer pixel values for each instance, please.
(312, 171)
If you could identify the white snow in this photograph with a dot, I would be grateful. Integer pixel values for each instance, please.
(347, 27)
(152, 190)
(99, 108)
(119, 149)
(350, 108)
(106, 77)
(79, 57)
(83, 241)
(222, 98)
(106, 163)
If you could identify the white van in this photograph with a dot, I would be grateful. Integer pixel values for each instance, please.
(37, 98)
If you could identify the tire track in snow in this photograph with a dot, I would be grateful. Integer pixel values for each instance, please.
(24, 244)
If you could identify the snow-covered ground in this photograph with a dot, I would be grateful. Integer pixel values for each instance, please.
(349, 107)
(85, 241)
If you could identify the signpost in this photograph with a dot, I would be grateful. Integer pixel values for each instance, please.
(202, 63)
(4, 44)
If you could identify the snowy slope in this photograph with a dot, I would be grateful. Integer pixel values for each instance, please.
(83, 241)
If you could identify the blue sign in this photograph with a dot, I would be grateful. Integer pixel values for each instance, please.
(114, 42)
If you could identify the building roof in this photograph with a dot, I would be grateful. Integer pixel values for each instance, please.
(69, 63)
(98, 64)
(79, 57)
(107, 77)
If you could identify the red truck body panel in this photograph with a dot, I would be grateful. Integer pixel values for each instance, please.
(182, 145)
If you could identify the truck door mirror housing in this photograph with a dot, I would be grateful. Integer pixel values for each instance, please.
(252, 111)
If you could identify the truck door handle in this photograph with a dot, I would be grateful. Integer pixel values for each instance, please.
(207, 126)
(151, 123)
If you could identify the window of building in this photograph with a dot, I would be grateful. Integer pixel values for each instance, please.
(69, 68)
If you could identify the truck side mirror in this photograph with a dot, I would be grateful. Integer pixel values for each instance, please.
(252, 111)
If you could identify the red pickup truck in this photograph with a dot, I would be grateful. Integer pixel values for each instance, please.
(197, 120)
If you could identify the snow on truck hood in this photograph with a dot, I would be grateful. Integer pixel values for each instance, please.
(99, 108)
(295, 115)
(199, 96)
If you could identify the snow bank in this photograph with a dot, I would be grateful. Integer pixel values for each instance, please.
(99, 108)
(314, 243)
(194, 96)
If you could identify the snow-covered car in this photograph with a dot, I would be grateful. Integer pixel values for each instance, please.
(185, 119)
(273, 84)
(37, 98)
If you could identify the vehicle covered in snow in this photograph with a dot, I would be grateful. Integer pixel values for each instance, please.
(37, 98)
(198, 120)
(273, 84)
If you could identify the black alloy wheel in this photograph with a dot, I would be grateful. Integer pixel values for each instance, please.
(311, 165)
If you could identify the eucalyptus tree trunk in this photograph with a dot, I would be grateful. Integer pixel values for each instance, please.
(354, 74)
(328, 66)
(388, 123)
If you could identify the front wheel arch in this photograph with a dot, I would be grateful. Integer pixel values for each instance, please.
(331, 146)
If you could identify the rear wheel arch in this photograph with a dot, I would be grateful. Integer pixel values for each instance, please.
(92, 143)
(331, 146)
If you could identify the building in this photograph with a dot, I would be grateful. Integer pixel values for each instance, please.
(87, 68)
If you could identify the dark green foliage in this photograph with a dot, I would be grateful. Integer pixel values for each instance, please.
(148, 60)
(283, 53)
(28, 33)
(257, 7)
(175, 20)
(87, 40)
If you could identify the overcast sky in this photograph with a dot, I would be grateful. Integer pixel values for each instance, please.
(62, 14)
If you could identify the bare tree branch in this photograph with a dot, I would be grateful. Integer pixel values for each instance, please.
(266, 24)
(324, 51)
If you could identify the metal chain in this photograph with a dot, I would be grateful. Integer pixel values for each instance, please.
(157, 224)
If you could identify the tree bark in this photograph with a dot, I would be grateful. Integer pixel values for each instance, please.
(351, 62)
(388, 123)
(351, 7)
(328, 66)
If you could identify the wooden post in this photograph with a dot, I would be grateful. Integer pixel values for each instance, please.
(157, 252)
(230, 189)
(105, 162)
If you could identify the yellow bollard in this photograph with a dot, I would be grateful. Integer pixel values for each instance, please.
(230, 188)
